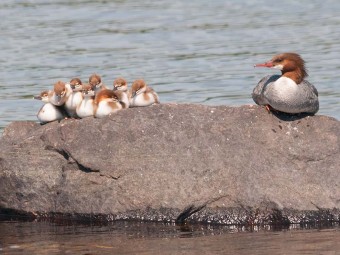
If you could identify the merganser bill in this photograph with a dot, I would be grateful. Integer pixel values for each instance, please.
(142, 95)
(49, 112)
(121, 85)
(107, 102)
(288, 92)
(75, 98)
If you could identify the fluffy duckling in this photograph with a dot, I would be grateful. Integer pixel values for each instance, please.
(87, 106)
(120, 84)
(142, 95)
(107, 102)
(44, 96)
(75, 98)
(61, 93)
(49, 112)
(96, 83)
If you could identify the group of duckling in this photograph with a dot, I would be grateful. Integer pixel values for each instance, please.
(77, 100)
(289, 92)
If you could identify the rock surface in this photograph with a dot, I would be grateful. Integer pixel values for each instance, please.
(230, 165)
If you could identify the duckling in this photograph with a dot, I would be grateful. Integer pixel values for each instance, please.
(142, 95)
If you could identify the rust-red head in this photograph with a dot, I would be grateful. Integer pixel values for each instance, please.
(290, 64)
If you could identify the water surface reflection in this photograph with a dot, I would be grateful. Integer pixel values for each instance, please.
(156, 238)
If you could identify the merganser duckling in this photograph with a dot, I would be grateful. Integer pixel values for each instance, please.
(121, 85)
(96, 83)
(288, 92)
(142, 95)
(107, 102)
(87, 106)
(61, 92)
(49, 112)
(75, 98)
(44, 96)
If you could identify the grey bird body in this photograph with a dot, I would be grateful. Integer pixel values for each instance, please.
(299, 98)
(288, 92)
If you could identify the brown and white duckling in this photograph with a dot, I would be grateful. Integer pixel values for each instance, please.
(49, 112)
(120, 84)
(61, 92)
(96, 83)
(87, 106)
(108, 102)
(142, 95)
(75, 98)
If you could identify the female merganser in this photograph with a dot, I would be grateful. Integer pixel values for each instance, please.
(87, 106)
(61, 92)
(107, 102)
(75, 98)
(49, 112)
(288, 92)
(142, 95)
(96, 83)
(121, 85)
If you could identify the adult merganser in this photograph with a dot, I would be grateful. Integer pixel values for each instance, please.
(96, 83)
(107, 102)
(49, 112)
(121, 85)
(142, 95)
(288, 92)
(75, 98)
(61, 92)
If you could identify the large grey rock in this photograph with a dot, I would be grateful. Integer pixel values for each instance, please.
(234, 165)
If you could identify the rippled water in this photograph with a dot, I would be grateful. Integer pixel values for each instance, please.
(153, 239)
(189, 51)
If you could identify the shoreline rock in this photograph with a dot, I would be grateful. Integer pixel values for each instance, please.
(176, 162)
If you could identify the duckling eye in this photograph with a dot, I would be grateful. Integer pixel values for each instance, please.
(279, 60)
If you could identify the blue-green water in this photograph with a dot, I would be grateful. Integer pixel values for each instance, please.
(188, 51)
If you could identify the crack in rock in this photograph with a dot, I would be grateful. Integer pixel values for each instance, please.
(69, 158)
(192, 209)
(188, 211)
(110, 176)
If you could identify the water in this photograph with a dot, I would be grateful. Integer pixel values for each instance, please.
(153, 239)
(188, 51)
